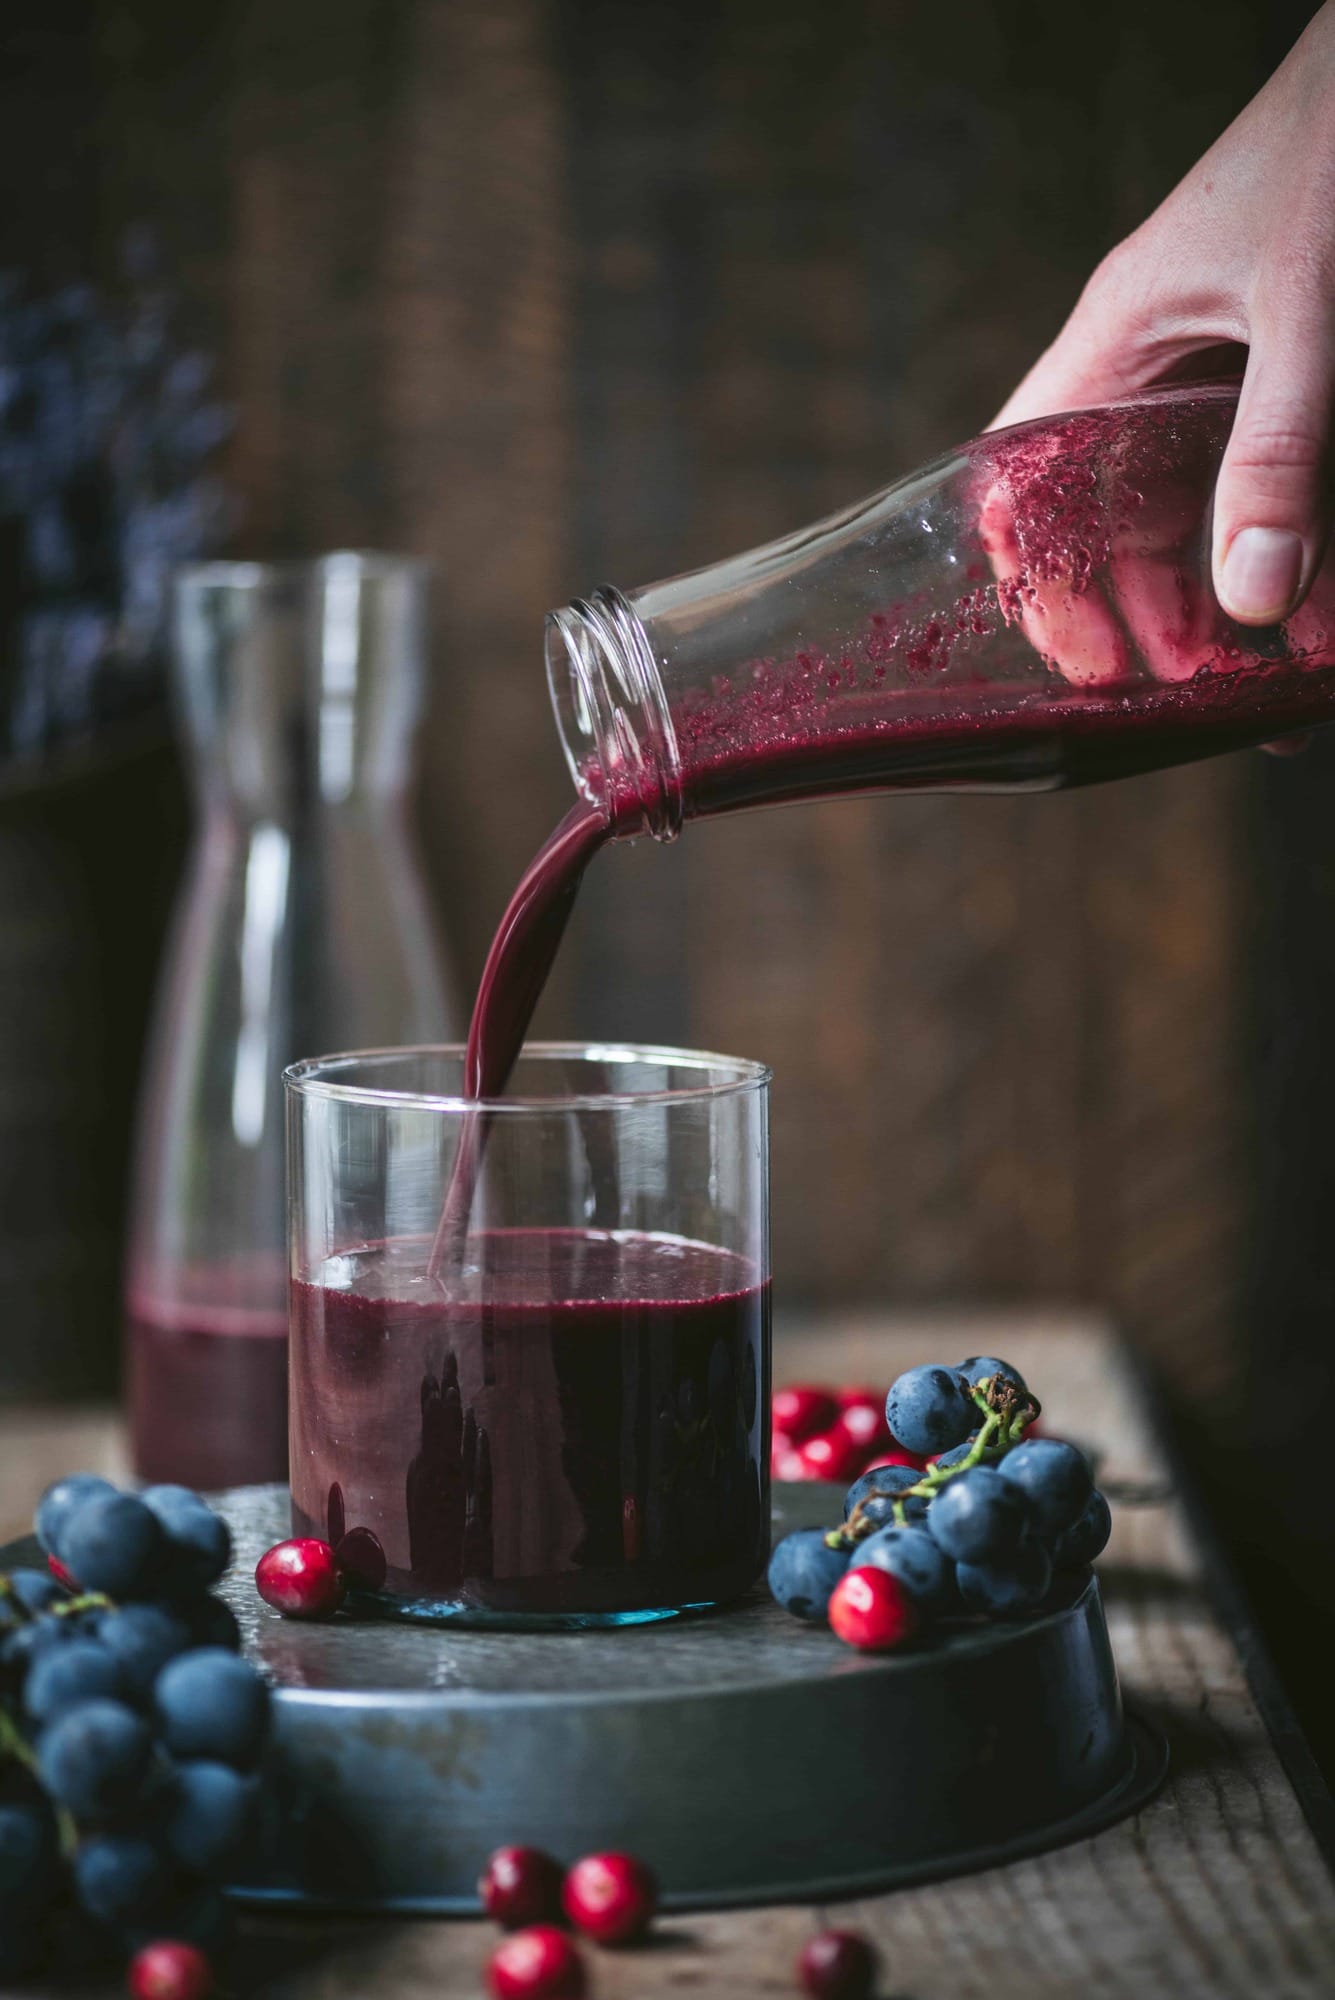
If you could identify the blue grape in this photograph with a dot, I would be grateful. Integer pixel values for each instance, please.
(911, 1555)
(36, 1590)
(58, 1503)
(120, 1876)
(211, 1704)
(95, 1758)
(113, 1543)
(168, 1498)
(1006, 1590)
(929, 1409)
(803, 1571)
(21, 1650)
(980, 1366)
(1055, 1480)
(1087, 1539)
(65, 1675)
(142, 1638)
(210, 1817)
(29, 1854)
(200, 1540)
(888, 1480)
(978, 1517)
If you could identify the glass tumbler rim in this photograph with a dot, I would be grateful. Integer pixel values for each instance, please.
(733, 1076)
(254, 573)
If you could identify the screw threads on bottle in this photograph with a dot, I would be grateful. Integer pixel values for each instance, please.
(612, 715)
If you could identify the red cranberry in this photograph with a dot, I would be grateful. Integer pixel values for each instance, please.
(832, 1455)
(802, 1411)
(858, 1392)
(521, 1885)
(784, 1462)
(300, 1578)
(865, 1426)
(871, 1609)
(837, 1965)
(61, 1574)
(538, 1964)
(610, 1897)
(169, 1970)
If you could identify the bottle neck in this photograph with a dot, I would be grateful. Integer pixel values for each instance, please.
(613, 717)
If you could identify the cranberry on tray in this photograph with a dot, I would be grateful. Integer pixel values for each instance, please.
(300, 1578)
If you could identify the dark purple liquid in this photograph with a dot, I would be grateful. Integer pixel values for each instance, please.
(580, 1427)
(511, 985)
(207, 1396)
(906, 740)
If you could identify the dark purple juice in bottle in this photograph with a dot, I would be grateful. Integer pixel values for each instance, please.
(578, 1429)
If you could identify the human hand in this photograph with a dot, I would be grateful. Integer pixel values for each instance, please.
(1242, 253)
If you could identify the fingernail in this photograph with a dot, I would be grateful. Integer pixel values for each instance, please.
(1260, 575)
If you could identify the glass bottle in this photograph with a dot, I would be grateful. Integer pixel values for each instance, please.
(1032, 611)
(302, 925)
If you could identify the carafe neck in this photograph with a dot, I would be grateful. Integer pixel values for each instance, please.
(299, 684)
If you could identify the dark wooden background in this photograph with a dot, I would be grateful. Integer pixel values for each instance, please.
(564, 291)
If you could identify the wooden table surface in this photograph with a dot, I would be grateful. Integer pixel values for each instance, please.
(1217, 1888)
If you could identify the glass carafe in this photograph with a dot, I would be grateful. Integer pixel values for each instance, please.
(302, 925)
(1030, 612)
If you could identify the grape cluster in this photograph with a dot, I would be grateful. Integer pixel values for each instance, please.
(984, 1519)
(130, 1729)
(108, 434)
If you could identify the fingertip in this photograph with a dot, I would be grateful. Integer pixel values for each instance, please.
(1258, 574)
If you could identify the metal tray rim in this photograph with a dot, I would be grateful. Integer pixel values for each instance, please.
(1145, 1766)
(982, 1638)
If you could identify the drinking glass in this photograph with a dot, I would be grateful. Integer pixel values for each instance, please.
(565, 1419)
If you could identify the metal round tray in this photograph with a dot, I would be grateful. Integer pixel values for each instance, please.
(747, 1757)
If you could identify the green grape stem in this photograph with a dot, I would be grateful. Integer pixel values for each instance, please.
(13, 1743)
(91, 1600)
(9, 1596)
(1006, 1417)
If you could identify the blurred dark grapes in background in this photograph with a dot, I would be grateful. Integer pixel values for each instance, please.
(109, 433)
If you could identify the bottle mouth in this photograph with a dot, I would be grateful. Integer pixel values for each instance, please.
(612, 715)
